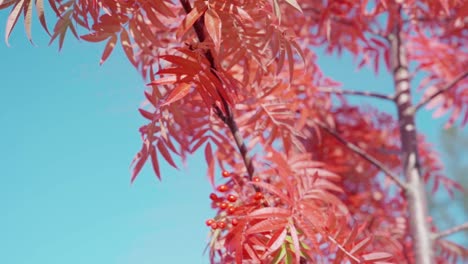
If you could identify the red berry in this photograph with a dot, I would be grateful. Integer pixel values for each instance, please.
(258, 196)
(214, 197)
(256, 179)
(231, 209)
(226, 174)
(221, 225)
(232, 198)
(234, 222)
(209, 222)
(214, 225)
(223, 205)
(223, 188)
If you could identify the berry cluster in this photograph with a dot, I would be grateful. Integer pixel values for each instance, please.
(229, 203)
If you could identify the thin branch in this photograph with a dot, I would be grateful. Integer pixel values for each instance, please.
(365, 156)
(450, 231)
(352, 92)
(344, 249)
(227, 116)
(447, 87)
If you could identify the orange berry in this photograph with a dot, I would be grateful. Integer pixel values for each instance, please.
(256, 179)
(214, 225)
(226, 174)
(234, 222)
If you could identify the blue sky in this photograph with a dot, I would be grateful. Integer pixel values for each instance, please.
(69, 129)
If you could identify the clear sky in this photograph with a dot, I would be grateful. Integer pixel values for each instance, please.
(69, 129)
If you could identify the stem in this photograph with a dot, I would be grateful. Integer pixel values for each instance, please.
(415, 194)
(352, 92)
(450, 231)
(444, 89)
(344, 250)
(227, 117)
(365, 156)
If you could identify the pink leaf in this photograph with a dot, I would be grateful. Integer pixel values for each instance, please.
(377, 256)
(210, 161)
(108, 49)
(267, 225)
(190, 19)
(267, 212)
(178, 93)
(213, 27)
(166, 155)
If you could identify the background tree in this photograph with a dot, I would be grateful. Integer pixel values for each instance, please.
(454, 143)
(309, 176)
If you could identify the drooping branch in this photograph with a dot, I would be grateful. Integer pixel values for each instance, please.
(363, 154)
(353, 92)
(227, 116)
(444, 89)
(450, 231)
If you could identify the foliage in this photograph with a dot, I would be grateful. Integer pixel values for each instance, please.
(315, 179)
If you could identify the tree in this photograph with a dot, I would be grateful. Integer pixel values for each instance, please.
(454, 145)
(309, 177)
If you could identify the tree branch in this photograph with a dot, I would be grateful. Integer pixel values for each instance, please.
(365, 156)
(450, 231)
(352, 92)
(415, 193)
(227, 117)
(447, 87)
(343, 249)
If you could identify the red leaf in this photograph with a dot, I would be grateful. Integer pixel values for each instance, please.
(377, 256)
(210, 161)
(12, 19)
(295, 240)
(267, 225)
(267, 212)
(178, 93)
(213, 27)
(183, 63)
(360, 246)
(162, 81)
(139, 160)
(108, 49)
(154, 162)
(276, 241)
(96, 36)
(127, 47)
(40, 14)
(146, 114)
(190, 19)
(166, 155)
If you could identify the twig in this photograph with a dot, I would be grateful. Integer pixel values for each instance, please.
(344, 249)
(352, 92)
(227, 117)
(365, 156)
(450, 231)
(447, 87)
